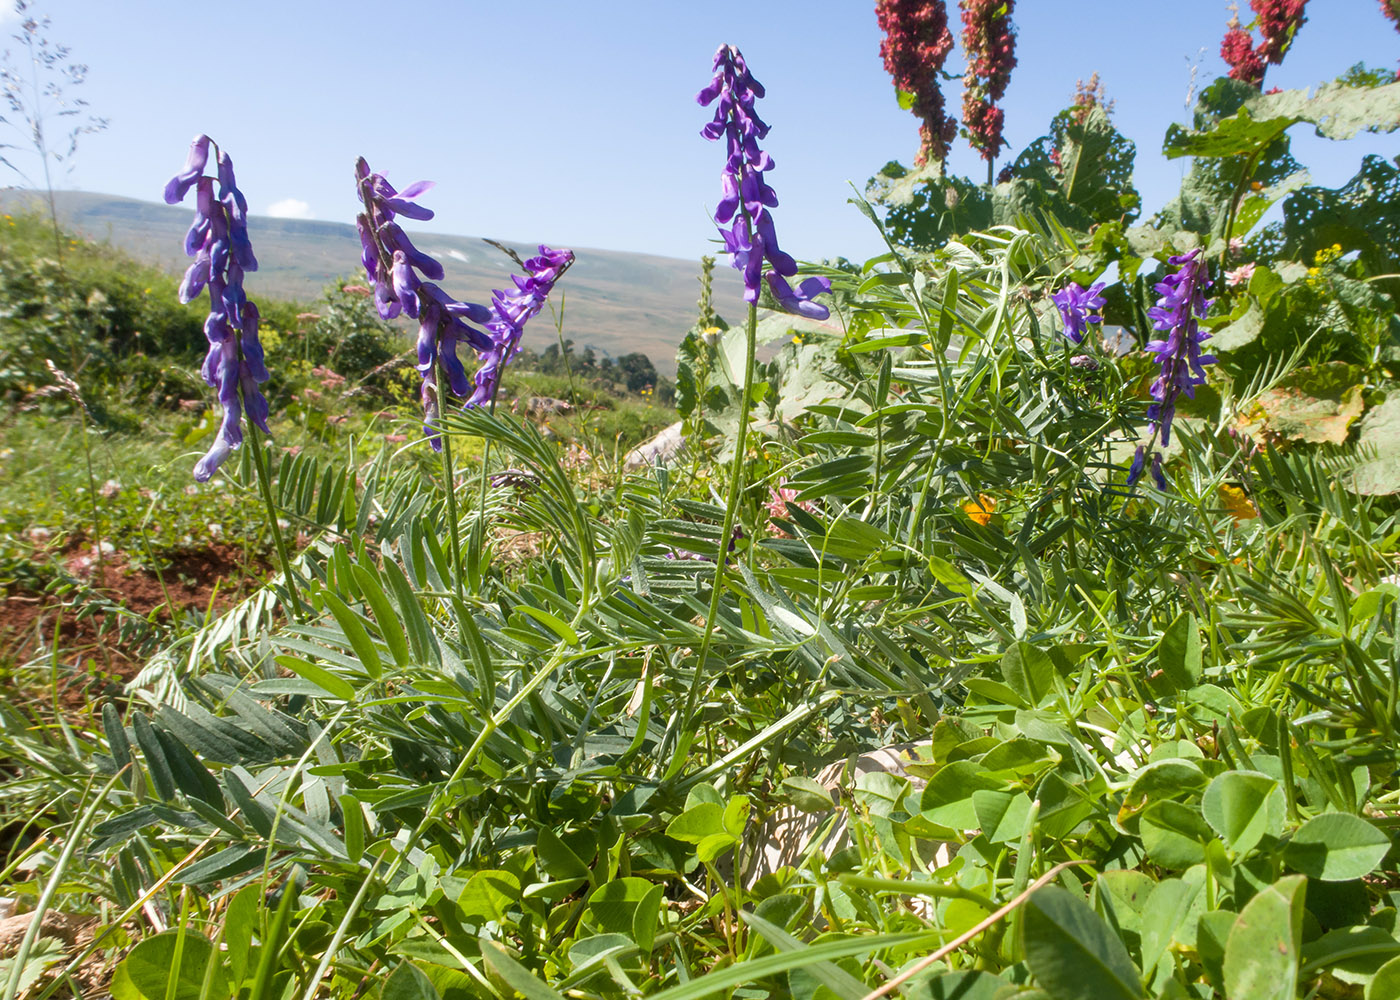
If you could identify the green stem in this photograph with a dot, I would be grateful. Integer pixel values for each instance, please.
(265, 487)
(736, 489)
(449, 483)
(92, 494)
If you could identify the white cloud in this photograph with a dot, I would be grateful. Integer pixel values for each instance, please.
(289, 208)
(458, 255)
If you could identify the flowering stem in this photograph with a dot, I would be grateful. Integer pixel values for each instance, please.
(736, 488)
(448, 480)
(265, 486)
(92, 495)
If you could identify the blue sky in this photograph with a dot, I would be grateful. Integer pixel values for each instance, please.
(575, 123)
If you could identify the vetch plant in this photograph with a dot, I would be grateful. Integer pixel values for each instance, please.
(750, 239)
(1079, 306)
(1182, 304)
(752, 243)
(218, 241)
(511, 309)
(392, 263)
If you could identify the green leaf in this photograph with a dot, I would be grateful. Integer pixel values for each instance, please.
(1072, 953)
(1179, 653)
(516, 975)
(1335, 847)
(1386, 984)
(333, 684)
(704, 819)
(1174, 835)
(389, 625)
(947, 799)
(162, 967)
(647, 917)
(233, 860)
(1171, 904)
(240, 924)
(407, 983)
(1001, 815)
(1380, 436)
(557, 859)
(806, 794)
(830, 975)
(156, 763)
(557, 625)
(723, 977)
(488, 895)
(356, 634)
(1354, 951)
(960, 986)
(1028, 671)
(1243, 807)
(1160, 781)
(613, 905)
(1262, 951)
(1338, 111)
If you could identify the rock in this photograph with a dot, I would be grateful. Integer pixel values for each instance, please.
(662, 448)
(545, 406)
(787, 836)
(64, 927)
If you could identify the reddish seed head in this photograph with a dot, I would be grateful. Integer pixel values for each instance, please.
(916, 44)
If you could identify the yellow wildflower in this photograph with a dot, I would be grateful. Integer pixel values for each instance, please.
(981, 509)
(1237, 504)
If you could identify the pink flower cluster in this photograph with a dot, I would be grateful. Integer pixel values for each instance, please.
(1278, 22)
(989, 42)
(916, 44)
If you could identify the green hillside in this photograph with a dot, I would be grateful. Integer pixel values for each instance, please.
(615, 302)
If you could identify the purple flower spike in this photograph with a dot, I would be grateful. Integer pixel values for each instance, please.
(218, 242)
(1182, 304)
(397, 268)
(1078, 308)
(510, 311)
(745, 196)
(195, 162)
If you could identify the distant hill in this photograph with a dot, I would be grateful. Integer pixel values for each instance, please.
(615, 302)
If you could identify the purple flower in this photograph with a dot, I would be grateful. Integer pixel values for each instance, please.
(218, 242)
(510, 311)
(1078, 308)
(1183, 302)
(195, 162)
(745, 195)
(396, 268)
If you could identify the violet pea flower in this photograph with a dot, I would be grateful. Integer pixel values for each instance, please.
(218, 242)
(1078, 308)
(195, 162)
